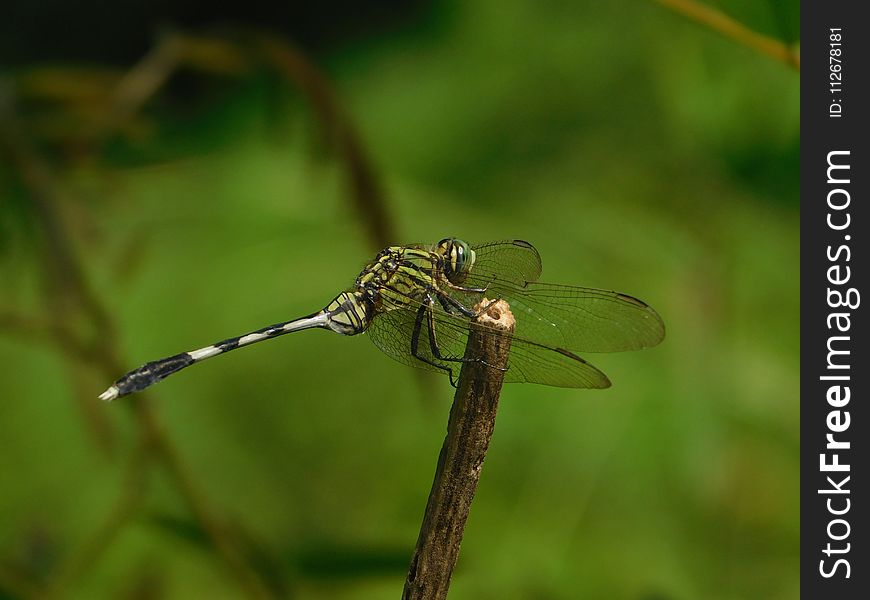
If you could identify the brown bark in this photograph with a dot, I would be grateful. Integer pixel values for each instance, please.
(472, 420)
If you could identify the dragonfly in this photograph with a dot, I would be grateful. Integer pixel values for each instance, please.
(419, 302)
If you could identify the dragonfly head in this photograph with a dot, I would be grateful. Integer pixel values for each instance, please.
(458, 259)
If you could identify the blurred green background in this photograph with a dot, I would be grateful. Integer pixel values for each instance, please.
(166, 183)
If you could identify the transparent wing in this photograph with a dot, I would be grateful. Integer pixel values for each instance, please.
(513, 261)
(560, 316)
(391, 332)
(530, 362)
(581, 319)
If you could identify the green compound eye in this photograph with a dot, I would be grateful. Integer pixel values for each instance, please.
(459, 258)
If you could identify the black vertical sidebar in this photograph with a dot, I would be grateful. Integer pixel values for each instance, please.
(835, 225)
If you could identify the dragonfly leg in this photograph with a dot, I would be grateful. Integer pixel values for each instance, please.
(446, 299)
(415, 342)
(450, 308)
(470, 290)
(429, 307)
(450, 304)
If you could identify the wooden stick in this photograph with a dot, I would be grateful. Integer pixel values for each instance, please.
(731, 28)
(472, 420)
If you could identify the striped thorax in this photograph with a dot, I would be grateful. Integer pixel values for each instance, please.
(399, 274)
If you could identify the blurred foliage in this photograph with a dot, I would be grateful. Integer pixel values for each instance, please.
(637, 150)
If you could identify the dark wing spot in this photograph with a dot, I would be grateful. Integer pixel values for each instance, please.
(570, 354)
(632, 300)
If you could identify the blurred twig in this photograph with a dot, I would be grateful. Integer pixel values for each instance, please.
(61, 270)
(132, 491)
(364, 184)
(66, 276)
(25, 327)
(78, 323)
(213, 54)
(34, 330)
(153, 71)
(15, 585)
(730, 28)
(141, 82)
(472, 421)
